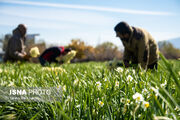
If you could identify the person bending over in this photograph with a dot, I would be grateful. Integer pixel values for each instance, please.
(51, 54)
(139, 46)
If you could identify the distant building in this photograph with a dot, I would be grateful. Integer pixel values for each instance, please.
(30, 39)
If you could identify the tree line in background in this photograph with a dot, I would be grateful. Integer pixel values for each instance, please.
(108, 51)
(102, 52)
(168, 50)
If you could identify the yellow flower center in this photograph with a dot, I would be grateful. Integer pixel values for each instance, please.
(147, 105)
(101, 103)
(138, 98)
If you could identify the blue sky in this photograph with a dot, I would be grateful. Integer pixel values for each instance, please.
(59, 21)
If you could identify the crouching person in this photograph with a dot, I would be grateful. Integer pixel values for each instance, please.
(139, 46)
(51, 54)
(15, 47)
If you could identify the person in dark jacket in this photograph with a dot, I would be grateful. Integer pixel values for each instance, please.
(49, 55)
(15, 47)
(139, 46)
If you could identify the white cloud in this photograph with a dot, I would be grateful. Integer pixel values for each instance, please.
(85, 7)
(14, 20)
(58, 16)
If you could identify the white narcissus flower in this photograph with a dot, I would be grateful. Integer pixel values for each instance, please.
(129, 78)
(141, 73)
(177, 108)
(138, 97)
(98, 84)
(78, 106)
(122, 100)
(67, 58)
(145, 104)
(34, 52)
(133, 71)
(139, 115)
(119, 69)
(156, 90)
(164, 84)
(101, 103)
(64, 88)
(68, 99)
(76, 82)
(128, 102)
(127, 71)
(117, 84)
(11, 83)
(144, 91)
(55, 69)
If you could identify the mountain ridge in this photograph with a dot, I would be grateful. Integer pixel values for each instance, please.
(174, 41)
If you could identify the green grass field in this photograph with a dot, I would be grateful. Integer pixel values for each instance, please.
(92, 91)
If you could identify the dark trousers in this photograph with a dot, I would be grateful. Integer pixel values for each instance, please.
(153, 66)
(45, 62)
(42, 61)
